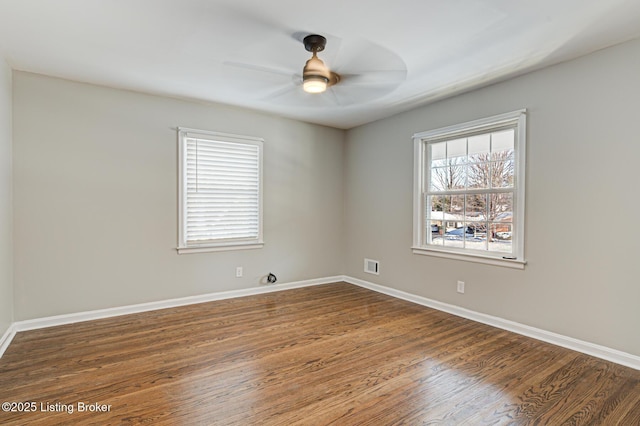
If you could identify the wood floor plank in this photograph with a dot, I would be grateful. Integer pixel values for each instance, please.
(329, 354)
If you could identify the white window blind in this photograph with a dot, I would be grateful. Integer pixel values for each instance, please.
(221, 191)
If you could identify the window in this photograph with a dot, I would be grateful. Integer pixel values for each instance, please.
(469, 191)
(220, 191)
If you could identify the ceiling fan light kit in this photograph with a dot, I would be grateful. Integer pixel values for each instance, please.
(314, 85)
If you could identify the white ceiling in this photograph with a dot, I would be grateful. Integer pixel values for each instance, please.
(248, 52)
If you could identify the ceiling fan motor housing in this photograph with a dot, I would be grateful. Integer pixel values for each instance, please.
(316, 68)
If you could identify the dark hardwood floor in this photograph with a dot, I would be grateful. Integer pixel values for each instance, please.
(330, 354)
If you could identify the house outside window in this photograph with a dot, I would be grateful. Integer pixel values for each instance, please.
(469, 183)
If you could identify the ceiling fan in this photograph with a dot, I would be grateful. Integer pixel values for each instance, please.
(316, 77)
(358, 71)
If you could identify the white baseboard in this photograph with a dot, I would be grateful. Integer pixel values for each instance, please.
(588, 348)
(52, 321)
(6, 339)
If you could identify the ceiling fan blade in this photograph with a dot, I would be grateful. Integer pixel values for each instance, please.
(350, 95)
(384, 77)
(331, 53)
(274, 95)
(359, 56)
(294, 95)
(331, 92)
(258, 68)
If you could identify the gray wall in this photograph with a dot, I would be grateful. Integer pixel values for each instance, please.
(582, 239)
(95, 178)
(6, 208)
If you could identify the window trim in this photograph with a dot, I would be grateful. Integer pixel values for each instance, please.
(236, 244)
(515, 118)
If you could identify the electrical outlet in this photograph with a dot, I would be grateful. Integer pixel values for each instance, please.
(460, 286)
(239, 272)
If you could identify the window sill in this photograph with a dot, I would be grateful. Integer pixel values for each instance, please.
(204, 249)
(487, 260)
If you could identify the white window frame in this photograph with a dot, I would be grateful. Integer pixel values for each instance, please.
(220, 244)
(514, 119)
